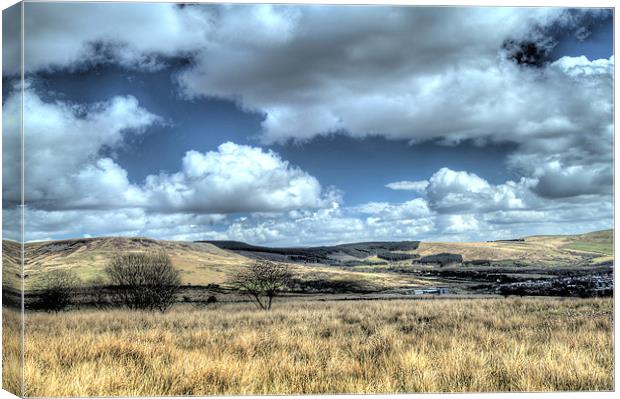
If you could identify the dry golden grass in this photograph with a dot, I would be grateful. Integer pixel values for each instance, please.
(325, 347)
(11, 352)
(540, 252)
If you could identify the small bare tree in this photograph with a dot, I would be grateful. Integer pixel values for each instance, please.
(144, 281)
(262, 281)
(59, 291)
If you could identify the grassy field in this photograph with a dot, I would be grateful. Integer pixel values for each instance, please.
(11, 351)
(600, 242)
(324, 347)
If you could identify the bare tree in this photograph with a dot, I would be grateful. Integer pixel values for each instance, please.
(59, 291)
(262, 281)
(144, 281)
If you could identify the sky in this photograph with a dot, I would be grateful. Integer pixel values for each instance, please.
(304, 125)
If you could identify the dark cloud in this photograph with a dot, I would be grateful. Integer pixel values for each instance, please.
(527, 53)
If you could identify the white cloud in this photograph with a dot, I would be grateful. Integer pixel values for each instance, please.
(416, 219)
(65, 168)
(383, 211)
(74, 35)
(334, 225)
(235, 178)
(459, 224)
(456, 191)
(582, 67)
(406, 185)
(40, 224)
(63, 142)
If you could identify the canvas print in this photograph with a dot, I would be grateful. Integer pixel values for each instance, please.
(242, 199)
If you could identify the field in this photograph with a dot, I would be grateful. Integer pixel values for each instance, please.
(353, 322)
(441, 345)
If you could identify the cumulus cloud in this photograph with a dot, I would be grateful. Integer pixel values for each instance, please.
(480, 217)
(334, 224)
(462, 206)
(452, 191)
(41, 224)
(461, 85)
(235, 178)
(68, 176)
(63, 143)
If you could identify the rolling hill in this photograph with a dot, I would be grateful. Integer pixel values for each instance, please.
(210, 262)
(335, 254)
(200, 263)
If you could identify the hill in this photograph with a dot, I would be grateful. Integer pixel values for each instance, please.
(200, 263)
(335, 254)
(365, 265)
(551, 250)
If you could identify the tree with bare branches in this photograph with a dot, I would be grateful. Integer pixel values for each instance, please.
(262, 281)
(144, 281)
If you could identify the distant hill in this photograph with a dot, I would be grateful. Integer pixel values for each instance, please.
(211, 262)
(200, 263)
(334, 254)
(548, 250)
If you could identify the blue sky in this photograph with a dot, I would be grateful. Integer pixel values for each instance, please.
(484, 144)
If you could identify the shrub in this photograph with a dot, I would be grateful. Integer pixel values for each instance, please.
(144, 281)
(59, 291)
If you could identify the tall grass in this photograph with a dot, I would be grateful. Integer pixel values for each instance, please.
(11, 352)
(325, 347)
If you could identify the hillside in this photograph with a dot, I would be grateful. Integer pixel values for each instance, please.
(358, 264)
(556, 250)
(335, 254)
(200, 263)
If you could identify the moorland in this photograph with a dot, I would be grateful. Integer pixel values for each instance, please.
(526, 314)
